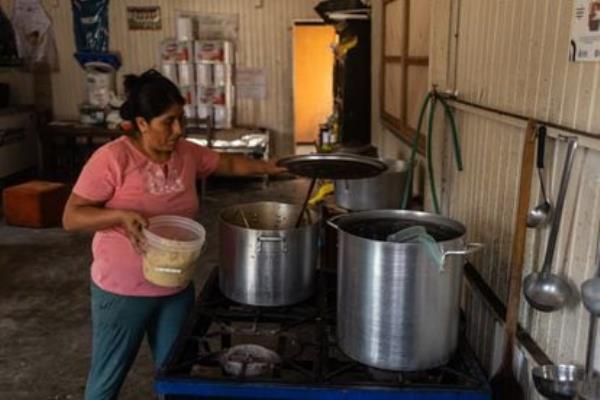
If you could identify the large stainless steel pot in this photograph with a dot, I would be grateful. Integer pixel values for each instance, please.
(396, 309)
(265, 260)
(381, 192)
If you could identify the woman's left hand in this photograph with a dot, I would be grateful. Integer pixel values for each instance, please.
(236, 164)
(273, 169)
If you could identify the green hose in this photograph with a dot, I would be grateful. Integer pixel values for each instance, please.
(457, 151)
(434, 198)
(433, 97)
(413, 154)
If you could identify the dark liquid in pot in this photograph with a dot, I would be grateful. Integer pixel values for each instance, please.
(381, 228)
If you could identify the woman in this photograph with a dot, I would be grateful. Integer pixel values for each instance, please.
(124, 183)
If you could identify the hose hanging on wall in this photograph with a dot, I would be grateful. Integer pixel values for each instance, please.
(431, 99)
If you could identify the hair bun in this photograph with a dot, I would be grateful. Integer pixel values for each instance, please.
(127, 111)
(132, 83)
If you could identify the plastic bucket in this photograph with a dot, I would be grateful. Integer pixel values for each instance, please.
(174, 245)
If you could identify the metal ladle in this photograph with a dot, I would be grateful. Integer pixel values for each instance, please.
(545, 291)
(540, 215)
(590, 294)
(563, 382)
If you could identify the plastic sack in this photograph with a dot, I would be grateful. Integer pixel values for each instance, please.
(90, 25)
(34, 35)
(419, 235)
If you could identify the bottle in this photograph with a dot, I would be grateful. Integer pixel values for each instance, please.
(326, 144)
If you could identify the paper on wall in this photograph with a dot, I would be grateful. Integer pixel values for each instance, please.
(585, 31)
(251, 83)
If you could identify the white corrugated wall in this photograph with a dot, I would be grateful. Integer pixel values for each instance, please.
(265, 41)
(513, 55)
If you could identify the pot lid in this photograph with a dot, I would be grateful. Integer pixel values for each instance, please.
(333, 166)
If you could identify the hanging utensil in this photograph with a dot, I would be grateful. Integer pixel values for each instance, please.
(565, 381)
(590, 294)
(540, 214)
(545, 291)
(504, 384)
(558, 382)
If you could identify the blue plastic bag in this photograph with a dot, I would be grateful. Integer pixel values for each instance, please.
(90, 24)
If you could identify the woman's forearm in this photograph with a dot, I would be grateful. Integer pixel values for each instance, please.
(90, 218)
(230, 164)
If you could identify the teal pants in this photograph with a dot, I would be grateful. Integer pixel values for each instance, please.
(119, 324)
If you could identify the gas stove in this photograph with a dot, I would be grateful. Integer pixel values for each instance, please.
(307, 362)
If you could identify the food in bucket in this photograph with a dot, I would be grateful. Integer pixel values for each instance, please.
(169, 262)
(174, 246)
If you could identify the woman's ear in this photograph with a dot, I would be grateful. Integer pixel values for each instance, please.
(142, 124)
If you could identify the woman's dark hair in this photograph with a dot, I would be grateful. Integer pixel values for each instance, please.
(148, 95)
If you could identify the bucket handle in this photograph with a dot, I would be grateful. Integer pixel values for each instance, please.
(470, 248)
(168, 270)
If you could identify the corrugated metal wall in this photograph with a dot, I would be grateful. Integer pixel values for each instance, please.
(513, 55)
(265, 41)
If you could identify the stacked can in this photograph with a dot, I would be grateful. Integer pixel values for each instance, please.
(185, 64)
(214, 61)
(168, 59)
(203, 71)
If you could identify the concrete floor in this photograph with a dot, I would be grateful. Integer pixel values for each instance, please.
(45, 335)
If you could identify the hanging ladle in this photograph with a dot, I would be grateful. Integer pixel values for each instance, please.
(590, 294)
(540, 215)
(545, 291)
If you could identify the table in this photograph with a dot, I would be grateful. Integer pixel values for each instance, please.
(67, 145)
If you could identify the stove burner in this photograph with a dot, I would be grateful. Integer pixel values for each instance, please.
(297, 349)
(247, 360)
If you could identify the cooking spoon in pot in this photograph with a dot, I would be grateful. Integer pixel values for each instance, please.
(313, 181)
(546, 291)
(540, 215)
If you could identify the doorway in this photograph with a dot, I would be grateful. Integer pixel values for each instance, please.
(313, 80)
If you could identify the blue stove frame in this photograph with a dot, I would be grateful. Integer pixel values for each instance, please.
(185, 389)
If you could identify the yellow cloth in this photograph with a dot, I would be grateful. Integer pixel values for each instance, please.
(324, 190)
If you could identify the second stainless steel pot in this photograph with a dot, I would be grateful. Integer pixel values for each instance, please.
(381, 192)
(265, 260)
(397, 309)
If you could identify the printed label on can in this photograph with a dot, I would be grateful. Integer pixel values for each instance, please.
(209, 51)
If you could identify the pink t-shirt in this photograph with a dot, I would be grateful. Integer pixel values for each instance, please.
(120, 175)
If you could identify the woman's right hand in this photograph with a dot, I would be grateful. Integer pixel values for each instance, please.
(133, 223)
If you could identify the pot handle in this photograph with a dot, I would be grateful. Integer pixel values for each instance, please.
(271, 239)
(331, 222)
(470, 248)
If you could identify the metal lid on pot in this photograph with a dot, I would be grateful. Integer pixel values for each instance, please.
(333, 166)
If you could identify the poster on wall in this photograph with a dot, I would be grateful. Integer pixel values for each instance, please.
(143, 18)
(585, 31)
